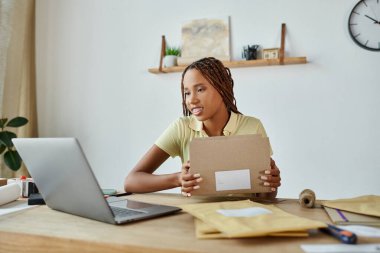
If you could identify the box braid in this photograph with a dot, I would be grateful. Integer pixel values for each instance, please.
(218, 76)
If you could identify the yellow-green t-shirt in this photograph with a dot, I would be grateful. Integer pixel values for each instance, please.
(175, 140)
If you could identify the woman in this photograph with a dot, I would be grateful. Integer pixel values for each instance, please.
(209, 109)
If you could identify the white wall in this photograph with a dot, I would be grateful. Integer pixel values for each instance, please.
(322, 117)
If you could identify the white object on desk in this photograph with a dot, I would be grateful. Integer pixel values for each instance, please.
(365, 231)
(9, 193)
(341, 248)
(244, 212)
(14, 206)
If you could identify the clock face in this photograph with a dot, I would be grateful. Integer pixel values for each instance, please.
(364, 24)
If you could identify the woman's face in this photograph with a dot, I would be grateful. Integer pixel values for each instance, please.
(201, 98)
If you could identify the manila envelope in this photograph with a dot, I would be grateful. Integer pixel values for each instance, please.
(239, 219)
(230, 164)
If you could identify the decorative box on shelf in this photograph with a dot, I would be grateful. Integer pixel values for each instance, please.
(271, 53)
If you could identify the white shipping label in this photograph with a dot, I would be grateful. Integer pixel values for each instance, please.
(244, 212)
(232, 180)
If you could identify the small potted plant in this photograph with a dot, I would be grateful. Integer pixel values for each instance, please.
(171, 55)
(11, 158)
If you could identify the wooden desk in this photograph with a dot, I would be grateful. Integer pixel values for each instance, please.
(41, 229)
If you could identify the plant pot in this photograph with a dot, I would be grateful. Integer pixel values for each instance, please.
(170, 61)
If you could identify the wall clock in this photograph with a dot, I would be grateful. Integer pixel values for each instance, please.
(364, 24)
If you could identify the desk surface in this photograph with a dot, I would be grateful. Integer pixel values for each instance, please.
(41, 229)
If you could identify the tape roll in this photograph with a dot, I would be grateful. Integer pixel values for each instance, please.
(307, 198)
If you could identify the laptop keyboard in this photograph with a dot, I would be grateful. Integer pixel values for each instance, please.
(123, 212)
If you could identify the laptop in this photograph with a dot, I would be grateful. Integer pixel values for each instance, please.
(67, 183)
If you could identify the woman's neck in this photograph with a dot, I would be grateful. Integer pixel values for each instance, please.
(214, 126)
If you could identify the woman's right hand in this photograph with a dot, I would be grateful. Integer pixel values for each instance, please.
(188, 181)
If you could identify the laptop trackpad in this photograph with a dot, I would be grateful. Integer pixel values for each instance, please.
(130, 204)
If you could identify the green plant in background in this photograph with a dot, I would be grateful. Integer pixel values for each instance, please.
(11, 157)
(173, 51)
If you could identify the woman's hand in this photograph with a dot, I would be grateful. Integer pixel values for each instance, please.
(272, 176)
(188, 181)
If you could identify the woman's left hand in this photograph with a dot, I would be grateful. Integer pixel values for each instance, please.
(272, 176)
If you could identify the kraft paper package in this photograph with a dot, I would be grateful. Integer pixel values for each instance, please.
(239, 219)
(205, 231)
(367, 204)
(230, 164)
(341, 217)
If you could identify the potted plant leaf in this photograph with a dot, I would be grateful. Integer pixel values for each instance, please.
(171, 55)
(11, 157)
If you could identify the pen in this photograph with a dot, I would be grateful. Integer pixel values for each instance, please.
(344, 236)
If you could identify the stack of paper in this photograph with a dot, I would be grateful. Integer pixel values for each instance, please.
(238, 219)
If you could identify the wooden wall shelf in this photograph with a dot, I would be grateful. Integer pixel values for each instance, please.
(239, 64)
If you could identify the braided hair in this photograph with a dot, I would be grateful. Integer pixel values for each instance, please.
(218, 76)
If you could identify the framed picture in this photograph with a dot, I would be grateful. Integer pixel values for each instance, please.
(207, 37)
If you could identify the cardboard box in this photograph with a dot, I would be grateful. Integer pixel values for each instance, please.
(230, 164)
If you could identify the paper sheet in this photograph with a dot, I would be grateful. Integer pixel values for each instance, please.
(14, 206)
(341, 248)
